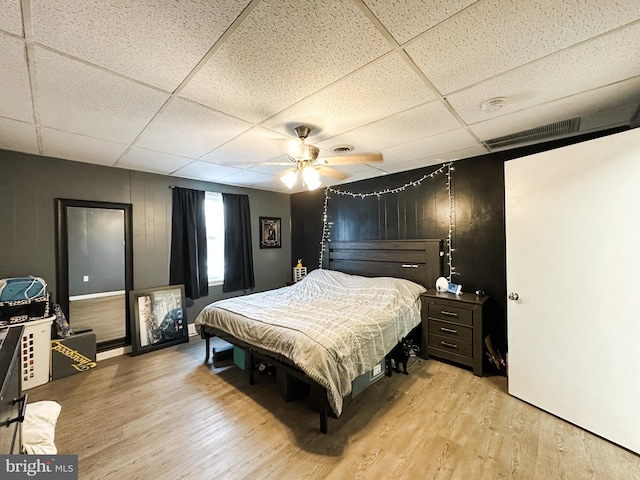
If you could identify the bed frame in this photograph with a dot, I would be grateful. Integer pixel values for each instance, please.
(420, 261)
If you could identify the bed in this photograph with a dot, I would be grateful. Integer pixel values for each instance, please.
(336, 324)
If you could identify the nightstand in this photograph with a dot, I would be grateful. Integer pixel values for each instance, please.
(452, 328)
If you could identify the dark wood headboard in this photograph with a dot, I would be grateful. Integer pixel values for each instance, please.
(420, 261)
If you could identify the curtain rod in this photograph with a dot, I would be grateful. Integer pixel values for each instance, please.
(176, 186)
(186, 188)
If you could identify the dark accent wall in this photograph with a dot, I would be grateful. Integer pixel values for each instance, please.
(29, 184)
(478, 234)
(422, 211)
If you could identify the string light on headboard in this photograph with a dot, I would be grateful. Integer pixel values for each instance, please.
(445, 168)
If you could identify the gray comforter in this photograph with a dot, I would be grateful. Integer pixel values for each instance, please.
(334, 326)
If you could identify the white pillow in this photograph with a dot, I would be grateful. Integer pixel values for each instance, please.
(39, 427)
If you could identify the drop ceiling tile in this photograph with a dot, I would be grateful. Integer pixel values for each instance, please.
(254, 146)
(581, 68)
(276, 169)
(189, 129)
(413, 165)
(158, 43)
(78, 98)
(405, 20)
(283, 52)
(454, 155)
(352, 169)
(429, 146)
(273, 184)
(70, 146)
(150, 161)
(11, 17)
(248, 178)
(437, 159)
(492, 37)
(18, 136)
(605, 99)
(363, 172)
(381, 89)
(609, 118)
(15, 94)
(419, 122)
(198, 170)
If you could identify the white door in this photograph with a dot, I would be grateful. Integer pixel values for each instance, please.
(573, 259)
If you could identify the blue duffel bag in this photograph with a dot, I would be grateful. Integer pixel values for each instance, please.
(21, 288)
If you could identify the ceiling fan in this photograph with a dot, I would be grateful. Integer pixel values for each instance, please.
(310, 167)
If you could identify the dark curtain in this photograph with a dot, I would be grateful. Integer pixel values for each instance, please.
(188, 263)
(238, 255)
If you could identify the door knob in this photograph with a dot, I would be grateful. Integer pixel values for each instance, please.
(514, 296)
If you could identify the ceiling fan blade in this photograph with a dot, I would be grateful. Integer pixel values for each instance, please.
(348, 159)
(283, 164)
(332, 172)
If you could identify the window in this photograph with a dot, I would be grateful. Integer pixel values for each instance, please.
(214, 214)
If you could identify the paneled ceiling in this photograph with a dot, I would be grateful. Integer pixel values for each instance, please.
(212, 90)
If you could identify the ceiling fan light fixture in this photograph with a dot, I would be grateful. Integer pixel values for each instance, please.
(310, 174)
(289, 178)
(310, 177)
(303, 152)
(313, 184)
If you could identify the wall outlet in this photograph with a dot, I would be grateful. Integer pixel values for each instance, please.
(85, 278)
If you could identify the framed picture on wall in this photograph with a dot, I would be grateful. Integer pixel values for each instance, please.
(269, 232)
(158, 318)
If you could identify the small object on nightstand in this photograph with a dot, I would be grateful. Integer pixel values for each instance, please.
(442, 284)
(454, 288)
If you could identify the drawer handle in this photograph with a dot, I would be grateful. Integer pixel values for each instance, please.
(448, 330)
(23, 410)
(451, 314)
(447, 344)
(409, 265)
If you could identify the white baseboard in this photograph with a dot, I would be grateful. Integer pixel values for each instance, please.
(192, 330)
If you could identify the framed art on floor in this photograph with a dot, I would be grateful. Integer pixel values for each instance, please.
(158, 318)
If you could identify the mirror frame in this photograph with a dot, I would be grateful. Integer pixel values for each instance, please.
(62, 260)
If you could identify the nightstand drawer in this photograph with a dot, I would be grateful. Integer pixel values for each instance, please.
(450, 345)
(450, 313)
(451, 330)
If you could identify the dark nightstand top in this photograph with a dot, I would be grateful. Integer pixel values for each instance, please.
(465, 297)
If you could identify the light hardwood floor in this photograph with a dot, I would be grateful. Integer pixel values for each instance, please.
(166, 415)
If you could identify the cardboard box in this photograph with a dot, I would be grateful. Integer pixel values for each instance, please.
(73, 354)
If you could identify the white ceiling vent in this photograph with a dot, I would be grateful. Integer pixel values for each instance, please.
(342, 148)
(536, 135)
